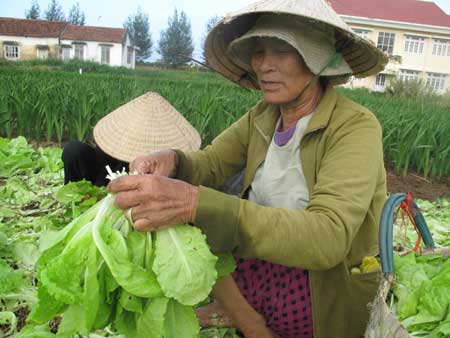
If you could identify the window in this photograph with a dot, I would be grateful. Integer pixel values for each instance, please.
(65, 53)
(436, 81)
(386, 42)
(78, 51)
(11, 52)
(441, 47)
(42, 53)
(380, 80)
(414, 44)
(129, 54)
(362, 33)
(105, 54)
(408, 75)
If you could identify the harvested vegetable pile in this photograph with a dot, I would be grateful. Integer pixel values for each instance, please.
(422, 294)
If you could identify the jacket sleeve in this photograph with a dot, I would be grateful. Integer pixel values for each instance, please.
(318, 237)
(226, 156)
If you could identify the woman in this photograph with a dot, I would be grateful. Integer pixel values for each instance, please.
(314, 182)
(146, 123)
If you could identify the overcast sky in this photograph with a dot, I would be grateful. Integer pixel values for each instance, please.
(113, 13)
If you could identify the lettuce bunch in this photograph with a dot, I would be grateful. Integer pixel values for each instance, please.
(98, 272)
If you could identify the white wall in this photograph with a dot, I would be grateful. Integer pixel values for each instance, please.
(423, 63)
(27, 45)
(124, 54)
(92, 51)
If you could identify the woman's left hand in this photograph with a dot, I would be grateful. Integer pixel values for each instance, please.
(153, 202)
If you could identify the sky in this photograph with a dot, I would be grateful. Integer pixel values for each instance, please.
(113, 13)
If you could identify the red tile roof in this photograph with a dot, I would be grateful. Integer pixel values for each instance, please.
(411, 11)
(90, 33)
(31, 28)
(55, 29)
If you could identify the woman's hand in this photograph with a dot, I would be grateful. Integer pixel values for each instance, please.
(238, 311)
(163, 163)
(212, 315)
(154, 201)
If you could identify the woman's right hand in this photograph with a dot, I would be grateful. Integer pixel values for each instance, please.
(162, 163)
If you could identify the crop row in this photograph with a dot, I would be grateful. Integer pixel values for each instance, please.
(59, 106)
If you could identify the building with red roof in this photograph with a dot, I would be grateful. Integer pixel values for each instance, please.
(24, 39)
(415, 33)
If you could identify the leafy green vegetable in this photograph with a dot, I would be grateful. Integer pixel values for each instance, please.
(10, 280)
(422, 289)
(225, 265)
(184, 266)
(99, 271)
(80, 196)
(15, 156)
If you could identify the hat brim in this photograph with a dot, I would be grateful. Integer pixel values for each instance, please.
(363, 57)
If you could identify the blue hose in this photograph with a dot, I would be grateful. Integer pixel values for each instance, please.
(387, 230)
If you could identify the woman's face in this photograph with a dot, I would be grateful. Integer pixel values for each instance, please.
(280, 70)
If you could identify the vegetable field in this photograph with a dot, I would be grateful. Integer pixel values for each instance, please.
(55, 105)
(59, 273)
(34, 206)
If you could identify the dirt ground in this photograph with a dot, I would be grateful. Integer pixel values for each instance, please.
(419, 187)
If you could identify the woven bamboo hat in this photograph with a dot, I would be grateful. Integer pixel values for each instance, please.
(315, 46)
(361, 55)
(145, 124)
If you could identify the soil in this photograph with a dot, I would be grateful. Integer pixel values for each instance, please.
(419, 187)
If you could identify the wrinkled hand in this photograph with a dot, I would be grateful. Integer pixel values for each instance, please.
(213, 314)
(155, 201)
(163, 163)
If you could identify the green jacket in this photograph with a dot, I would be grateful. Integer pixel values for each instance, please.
(342, 158)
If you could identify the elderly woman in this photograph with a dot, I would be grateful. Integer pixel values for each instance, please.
(314, 182)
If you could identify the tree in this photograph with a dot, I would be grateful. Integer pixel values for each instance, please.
(138, 27)
(54, 12)
(76, 15)
(176, 40)
(34, 11)
(212, 21)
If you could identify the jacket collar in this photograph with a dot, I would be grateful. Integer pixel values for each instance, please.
(322, 116)
(266, 121)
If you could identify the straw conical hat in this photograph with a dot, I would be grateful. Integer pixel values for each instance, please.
(145, 124)
(363, 57)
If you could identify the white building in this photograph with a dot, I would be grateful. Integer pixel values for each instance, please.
(23, 39)
(414, 33)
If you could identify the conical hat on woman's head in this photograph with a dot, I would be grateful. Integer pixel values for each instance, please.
(363, 57)
(143, 125)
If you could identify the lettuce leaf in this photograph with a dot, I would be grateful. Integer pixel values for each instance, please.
(184, 265)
